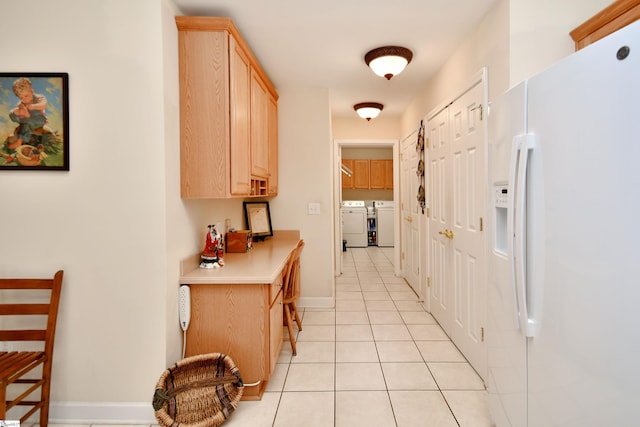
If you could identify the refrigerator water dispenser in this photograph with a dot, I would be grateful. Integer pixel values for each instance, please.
(500, 202)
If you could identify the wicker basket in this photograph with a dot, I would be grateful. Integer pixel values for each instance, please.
(199, 391)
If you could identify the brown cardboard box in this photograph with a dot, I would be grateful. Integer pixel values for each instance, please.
(238, 241)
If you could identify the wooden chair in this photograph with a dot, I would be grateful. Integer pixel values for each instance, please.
(21, 299)
(291, 292)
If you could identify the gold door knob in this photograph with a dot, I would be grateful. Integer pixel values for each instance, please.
(409, 219)
(447, 233)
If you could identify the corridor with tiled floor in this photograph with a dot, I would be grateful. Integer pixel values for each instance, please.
(377, 359)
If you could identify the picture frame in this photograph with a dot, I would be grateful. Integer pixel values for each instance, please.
(34, 127)
(258, 218)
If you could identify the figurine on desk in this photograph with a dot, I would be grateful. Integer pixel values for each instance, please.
(212, 254)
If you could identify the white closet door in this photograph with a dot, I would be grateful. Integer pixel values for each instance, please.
(410, 218)
(457, 190)
(439, 204)
(468, 194)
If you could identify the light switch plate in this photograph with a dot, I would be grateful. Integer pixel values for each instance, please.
(313, 208)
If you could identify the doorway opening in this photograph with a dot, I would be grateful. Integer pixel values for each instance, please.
(353, 146)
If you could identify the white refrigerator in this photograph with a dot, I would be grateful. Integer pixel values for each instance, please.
(563, 329)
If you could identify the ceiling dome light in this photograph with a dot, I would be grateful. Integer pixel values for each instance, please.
(388, 61)
(368, 110)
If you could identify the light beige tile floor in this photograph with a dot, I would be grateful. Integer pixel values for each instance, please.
(377, 359)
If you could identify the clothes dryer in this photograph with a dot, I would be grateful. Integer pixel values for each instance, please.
(385, 222)
(354, 223)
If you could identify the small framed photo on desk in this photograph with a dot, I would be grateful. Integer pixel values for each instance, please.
(258, 219)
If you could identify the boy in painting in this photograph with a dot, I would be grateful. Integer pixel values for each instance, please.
(29, 112)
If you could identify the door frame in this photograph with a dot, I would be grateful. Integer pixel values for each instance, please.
(338, 144)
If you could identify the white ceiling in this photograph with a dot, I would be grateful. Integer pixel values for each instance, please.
(322, 43)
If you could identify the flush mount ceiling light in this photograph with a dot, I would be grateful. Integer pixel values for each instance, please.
(368, 110)
(388, 61)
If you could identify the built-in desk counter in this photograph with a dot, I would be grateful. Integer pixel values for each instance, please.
(237, 309)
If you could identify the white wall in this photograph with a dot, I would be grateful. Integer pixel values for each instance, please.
(539, 32)
(515, 40)
(381, 127)
(487, 45)
(105, 221)
(306, 175)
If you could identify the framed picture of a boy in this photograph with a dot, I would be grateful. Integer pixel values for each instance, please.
(34, 121)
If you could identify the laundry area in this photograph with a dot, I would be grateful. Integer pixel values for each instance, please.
(367, 223)
(367, 202)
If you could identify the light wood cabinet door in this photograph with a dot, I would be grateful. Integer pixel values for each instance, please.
(240, 104)
(377, 174)
(233, 319)
(388, 174)
(259, 127)
(204, 127)
(347, 181)
(273, 146)
(361, 174)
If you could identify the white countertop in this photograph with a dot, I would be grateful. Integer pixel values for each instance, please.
(262, 264)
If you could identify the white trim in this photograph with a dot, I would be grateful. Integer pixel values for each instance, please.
(478, 77)
(315, 302)
(101, 412)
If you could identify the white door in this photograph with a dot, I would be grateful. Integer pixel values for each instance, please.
(457, 173)
(438, 181)
(410, 218)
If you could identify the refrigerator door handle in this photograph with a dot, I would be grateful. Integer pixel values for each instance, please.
(511, 200)
(520, 233)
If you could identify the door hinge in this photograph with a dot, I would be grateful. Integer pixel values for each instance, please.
(402, 256)
(428, 213)
(426, 143)
(481, 224)
(482, 334)
(428, 282)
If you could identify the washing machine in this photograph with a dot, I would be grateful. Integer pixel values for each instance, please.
(384, 216)
(354, 223)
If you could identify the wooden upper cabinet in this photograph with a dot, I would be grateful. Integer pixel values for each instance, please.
(240, 116)
(273, 145)
(259, 127)
(381, 174)
(226, 113)
(376, 174)
(615, 16)
(361, 174)
(347, 181)
(368, 174)
(388, 174)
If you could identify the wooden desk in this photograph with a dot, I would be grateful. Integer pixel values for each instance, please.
(237, 309)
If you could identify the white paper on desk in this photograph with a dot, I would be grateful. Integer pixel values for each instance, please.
(259, 223)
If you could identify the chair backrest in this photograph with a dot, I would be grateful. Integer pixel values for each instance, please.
(23, 304)
(291, 280)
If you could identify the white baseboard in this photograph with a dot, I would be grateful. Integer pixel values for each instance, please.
(131, 412)
(101, 413)
(316, 302)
